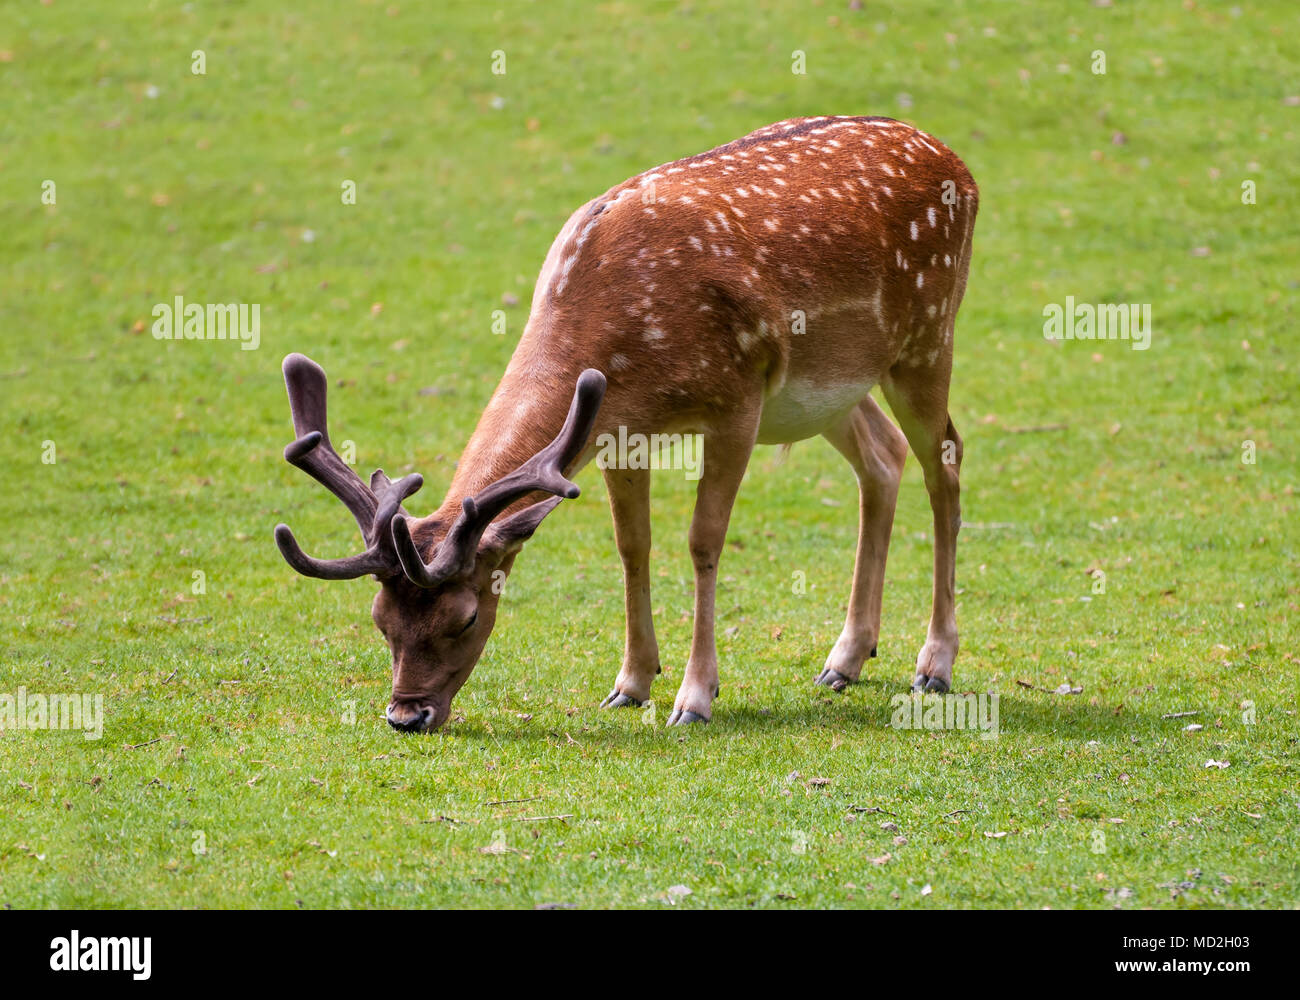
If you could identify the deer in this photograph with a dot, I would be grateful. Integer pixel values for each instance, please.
(753, 294)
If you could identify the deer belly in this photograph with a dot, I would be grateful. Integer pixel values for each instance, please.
(802, 409)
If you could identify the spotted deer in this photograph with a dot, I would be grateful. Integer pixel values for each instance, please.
(753, 294)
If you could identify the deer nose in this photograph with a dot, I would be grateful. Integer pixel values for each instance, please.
(408, 718)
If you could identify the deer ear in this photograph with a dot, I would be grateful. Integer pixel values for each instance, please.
(507, 536)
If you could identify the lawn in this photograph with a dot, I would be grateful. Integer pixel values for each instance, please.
(1130, 515)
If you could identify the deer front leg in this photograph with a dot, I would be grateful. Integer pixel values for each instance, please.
(629, 501)
(877, 450)
(725, 458)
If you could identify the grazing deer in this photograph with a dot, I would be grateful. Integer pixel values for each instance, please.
(752, 294)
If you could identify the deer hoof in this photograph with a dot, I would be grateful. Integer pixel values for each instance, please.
(929, 685)
(681, 717)
(832, 679)
(617, 700)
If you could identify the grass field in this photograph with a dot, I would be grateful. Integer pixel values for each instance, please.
(244, 760)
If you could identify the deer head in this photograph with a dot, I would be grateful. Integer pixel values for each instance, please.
(437, 601)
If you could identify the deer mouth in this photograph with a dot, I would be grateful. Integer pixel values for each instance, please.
(415, 717)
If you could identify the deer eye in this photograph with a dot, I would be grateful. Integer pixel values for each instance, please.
(468, 625)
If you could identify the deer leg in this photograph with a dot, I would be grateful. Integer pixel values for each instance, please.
(877, 450)
(919, 399)
(725, 458)
(629, 501)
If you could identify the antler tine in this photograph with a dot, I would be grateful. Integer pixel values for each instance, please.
(349, 568)
(312, 452)
(373, 506)
(543, 472)
(378, 558)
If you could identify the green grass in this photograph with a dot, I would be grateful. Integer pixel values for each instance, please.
(226, 187)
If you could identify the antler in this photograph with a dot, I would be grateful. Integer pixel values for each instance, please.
(373, 506)
(544, 472)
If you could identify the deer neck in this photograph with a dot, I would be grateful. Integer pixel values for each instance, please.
(525, 413)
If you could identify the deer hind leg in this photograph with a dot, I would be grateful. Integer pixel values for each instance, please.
(919, 398)
(725, 457)
(877, 450)
(629, 500)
